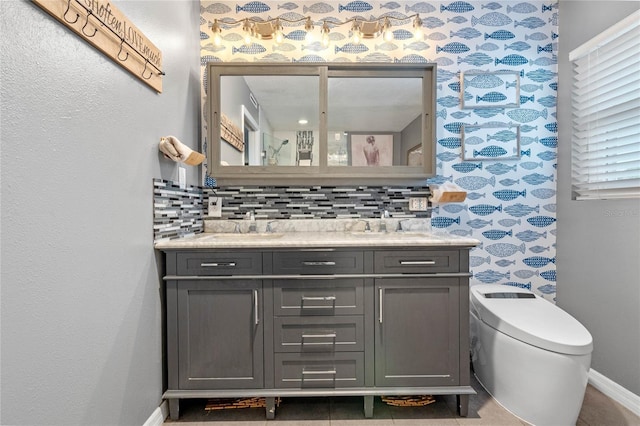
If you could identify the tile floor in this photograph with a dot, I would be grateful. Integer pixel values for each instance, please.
(597, 410)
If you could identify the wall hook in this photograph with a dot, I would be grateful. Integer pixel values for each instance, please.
(120, 51)
(67, 11)
(95, 30)
(146, 61)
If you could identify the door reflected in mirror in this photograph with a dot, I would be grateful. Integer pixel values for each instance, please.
(275, 117)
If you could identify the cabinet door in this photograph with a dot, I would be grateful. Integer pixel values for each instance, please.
(220, 334)
(417, 332)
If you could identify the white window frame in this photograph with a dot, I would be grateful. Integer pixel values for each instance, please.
(605, 149)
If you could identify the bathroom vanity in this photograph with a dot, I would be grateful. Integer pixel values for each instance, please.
(320, 313)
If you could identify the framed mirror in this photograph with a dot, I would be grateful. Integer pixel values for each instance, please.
(321, 123)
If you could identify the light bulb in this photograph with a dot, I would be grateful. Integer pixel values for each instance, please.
(325, 34)
(386, 30)
(246, 28)
(356, 37)
(215, 29)
(418, 32)
(279, 37)
(308, 27)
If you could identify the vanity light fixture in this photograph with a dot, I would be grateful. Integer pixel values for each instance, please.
(271, 29)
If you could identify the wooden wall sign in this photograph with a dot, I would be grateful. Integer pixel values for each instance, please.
(102, 25)
(231, 133)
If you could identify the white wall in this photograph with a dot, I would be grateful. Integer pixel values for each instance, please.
(81, 328)
(598, 241)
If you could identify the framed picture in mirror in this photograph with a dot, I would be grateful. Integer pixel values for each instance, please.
(371, 149)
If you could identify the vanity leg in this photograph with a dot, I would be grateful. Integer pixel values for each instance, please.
(174, 408)
(463, 405)
(270, 407)
(368, 406)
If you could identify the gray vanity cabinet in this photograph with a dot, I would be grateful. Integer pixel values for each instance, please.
(417, 332)
(220, 334)
(330, 321)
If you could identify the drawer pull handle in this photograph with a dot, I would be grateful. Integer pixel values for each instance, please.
(380, 296)
(218, 264)
(320, 336)
(310, 373)
(418, 262)
(255, 308)
(321, 298)
(318, 263)
(331, 299)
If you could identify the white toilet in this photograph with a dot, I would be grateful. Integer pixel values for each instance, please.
(530, 355)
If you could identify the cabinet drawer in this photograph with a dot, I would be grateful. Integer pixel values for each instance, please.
(203, 263)
(416, 261)
(308, 297)
(310, 262)
(319, 334)
(339, 370)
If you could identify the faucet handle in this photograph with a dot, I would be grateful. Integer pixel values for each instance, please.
(269, 228)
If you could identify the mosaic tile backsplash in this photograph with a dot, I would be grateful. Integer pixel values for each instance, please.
(176, 212)
(317, 202)
(511, 203)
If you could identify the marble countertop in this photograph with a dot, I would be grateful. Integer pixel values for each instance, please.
(309, 234)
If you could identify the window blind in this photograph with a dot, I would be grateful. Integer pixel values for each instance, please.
(605, 152)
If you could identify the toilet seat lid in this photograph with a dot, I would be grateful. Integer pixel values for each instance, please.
(535, 321)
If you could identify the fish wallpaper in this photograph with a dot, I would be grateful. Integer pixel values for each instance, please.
(511, 202)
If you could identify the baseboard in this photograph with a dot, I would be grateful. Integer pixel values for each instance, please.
(158, 416)
(614, 391)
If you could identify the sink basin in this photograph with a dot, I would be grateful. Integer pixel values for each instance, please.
(369, 234)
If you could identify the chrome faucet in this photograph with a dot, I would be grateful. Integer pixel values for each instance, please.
(269, 228)
(252, 217)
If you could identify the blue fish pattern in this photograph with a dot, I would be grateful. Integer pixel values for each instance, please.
(508, 223)
(512, 60)
(520, 210)
(466, 167)
(421, 7)
(485, 209)
(519, 46)
(506, 31)
(500, 35)
(531, 22)
(491, 276)
(519, 285)
(492, 19)
(478, 59)
(538, 261)
(355, 6)
(537, 178)
(453, 47)
(530, 236)
(475, 261)
(522, 8)
(468, 33)
(526, 273)
(253, 7)
(473, 183)
(479, 223)
(505, 249)
(549, 275)
(457, 7)
(509, 182)
(501, 168)
(509, 194)
(490, 151)
(541, 221)
(497, 234)
(489, 47)
(444, 221)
